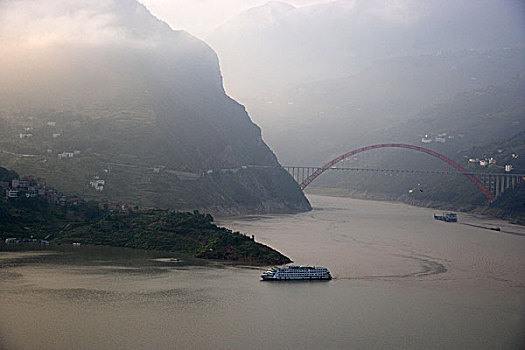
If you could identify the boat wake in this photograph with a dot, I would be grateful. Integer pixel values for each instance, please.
(428, 267)
(495, 228)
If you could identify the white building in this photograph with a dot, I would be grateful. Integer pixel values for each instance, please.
(65, 155)
(11, 193)
(97, 184)
(426, 139)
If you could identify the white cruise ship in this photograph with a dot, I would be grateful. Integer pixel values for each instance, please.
(296, 273)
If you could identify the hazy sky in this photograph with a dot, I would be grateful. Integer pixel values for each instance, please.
(37, 23)
(200, 17)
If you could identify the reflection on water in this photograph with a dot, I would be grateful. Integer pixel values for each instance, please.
(403, 280)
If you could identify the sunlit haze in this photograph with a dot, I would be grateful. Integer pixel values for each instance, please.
(201, 17)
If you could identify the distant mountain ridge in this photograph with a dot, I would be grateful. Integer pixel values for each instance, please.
(275, 45)
(351, 111)
(137, 106)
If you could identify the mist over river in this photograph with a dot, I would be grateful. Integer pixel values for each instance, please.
(402, 281)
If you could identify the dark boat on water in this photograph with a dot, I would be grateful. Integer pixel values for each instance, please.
(447, 217)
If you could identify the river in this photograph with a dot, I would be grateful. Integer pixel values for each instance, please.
(403, 281)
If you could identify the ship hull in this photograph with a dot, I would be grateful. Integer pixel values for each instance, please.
(446, 218)
(297, 273)
(266, 278)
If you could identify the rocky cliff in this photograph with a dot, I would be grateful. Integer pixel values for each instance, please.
(106, 101)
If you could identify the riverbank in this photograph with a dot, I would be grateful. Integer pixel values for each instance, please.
(161, 230)
(493, 211)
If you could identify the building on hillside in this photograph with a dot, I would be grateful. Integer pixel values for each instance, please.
(426, 139)
(9, 193)
(98, 184)
(31, 194)
(23, 183)
(65, 155)
(15, 183)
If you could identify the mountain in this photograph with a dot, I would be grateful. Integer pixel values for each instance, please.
(106, 101)
(346, 112)
(322, 79)
(38, 218)
(481, 124)
(275, 45)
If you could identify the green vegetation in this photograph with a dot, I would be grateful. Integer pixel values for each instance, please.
(192, 233)
(480, 124)
(7, 175)
(159, 130)
(453, 192)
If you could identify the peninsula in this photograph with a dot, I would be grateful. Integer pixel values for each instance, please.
(30, 216)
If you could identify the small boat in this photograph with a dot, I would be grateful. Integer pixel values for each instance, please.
(175, 260)
(447, 217)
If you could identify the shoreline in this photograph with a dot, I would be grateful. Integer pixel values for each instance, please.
(183, 258)
(480, 212)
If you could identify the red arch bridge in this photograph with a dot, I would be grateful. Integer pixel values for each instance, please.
(490, 184)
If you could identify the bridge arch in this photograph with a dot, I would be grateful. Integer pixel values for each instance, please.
(439, 156)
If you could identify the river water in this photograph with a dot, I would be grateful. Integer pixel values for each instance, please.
(403, 281)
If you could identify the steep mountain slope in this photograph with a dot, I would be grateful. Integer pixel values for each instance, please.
(343, 113)
(107, 92)
(337, 71)
(482, 124)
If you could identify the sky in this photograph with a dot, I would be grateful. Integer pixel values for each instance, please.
(201, 17)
